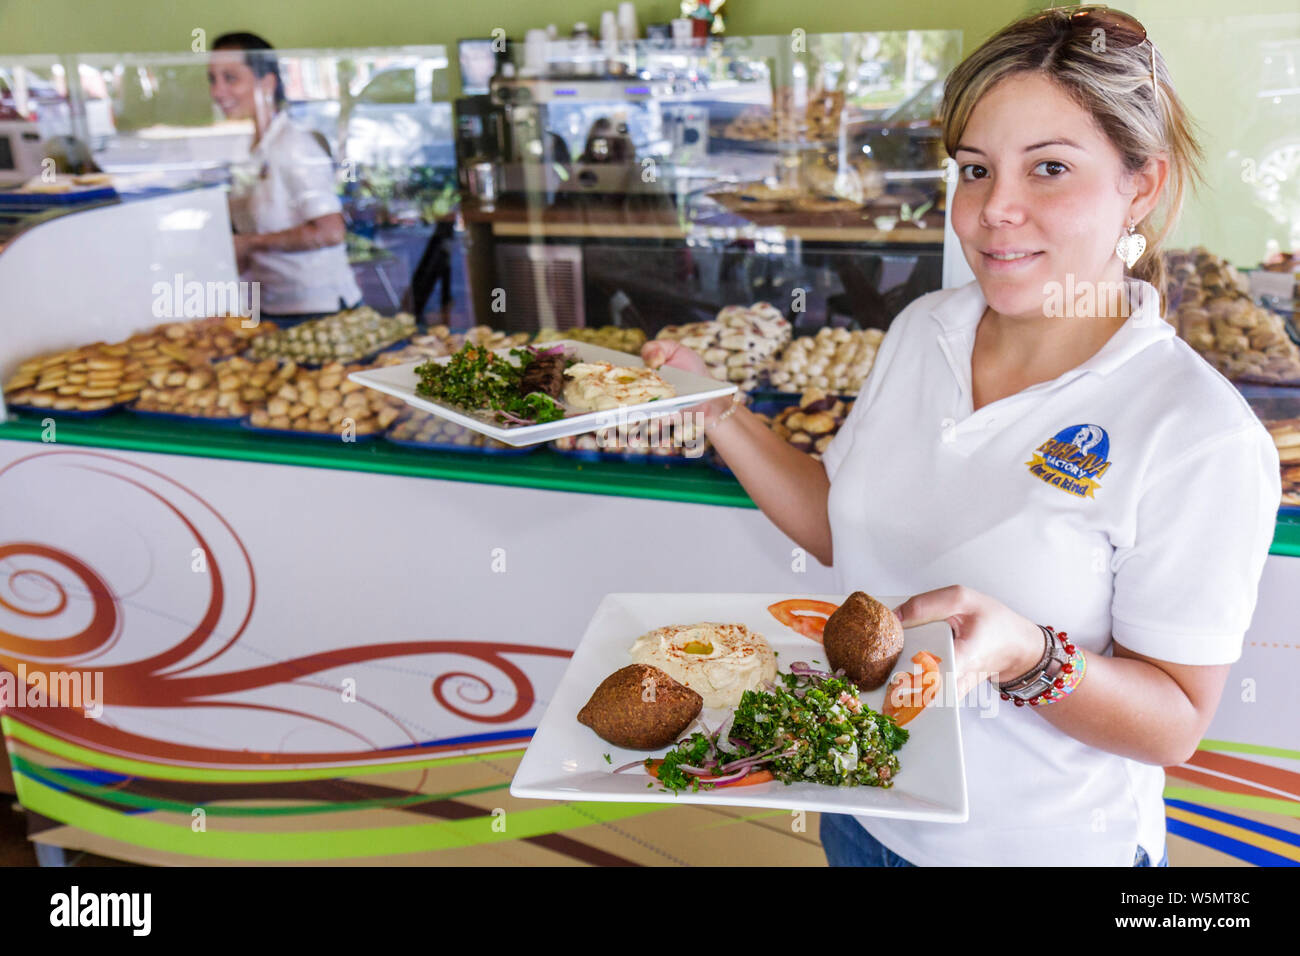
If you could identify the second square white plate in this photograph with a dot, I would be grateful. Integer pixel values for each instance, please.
(401, 380)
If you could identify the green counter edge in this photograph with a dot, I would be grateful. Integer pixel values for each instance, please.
(694, 483)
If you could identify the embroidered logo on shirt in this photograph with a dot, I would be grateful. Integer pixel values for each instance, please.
(1073, 459)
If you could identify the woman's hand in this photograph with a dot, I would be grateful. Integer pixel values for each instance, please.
(990, 640)
(318, 233)
(660, 352)
(244, 246)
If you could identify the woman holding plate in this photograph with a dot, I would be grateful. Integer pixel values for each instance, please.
(1022, 457)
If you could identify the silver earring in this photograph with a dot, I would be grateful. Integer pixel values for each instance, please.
(1130, 247)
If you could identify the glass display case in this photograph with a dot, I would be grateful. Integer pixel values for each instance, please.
(772, 201)
(383, 116)
(652, 185)
(370, 107)
(1232, 259)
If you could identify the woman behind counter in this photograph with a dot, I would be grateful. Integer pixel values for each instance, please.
(289, 229)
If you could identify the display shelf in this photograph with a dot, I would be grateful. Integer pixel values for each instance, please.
(545, 470)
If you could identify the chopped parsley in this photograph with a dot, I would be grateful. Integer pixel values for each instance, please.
(475, 378)
(817, 731)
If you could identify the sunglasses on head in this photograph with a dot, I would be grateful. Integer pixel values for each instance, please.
(1113, 23)
(1102, 16)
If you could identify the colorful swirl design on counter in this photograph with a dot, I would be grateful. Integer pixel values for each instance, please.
(165, 680)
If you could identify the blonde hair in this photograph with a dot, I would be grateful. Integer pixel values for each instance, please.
(1113, 82)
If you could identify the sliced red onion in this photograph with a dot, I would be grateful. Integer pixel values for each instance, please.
(724, 734)
(752, 757)
(804, 669)
(515, 419)
(629, 766)
(753, 762)
(730, 778)
(750, 761)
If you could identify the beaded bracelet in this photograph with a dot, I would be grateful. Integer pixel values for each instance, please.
(1068, 679)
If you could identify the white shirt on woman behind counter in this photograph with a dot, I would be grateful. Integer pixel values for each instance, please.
(288, 180)
(1158, 540)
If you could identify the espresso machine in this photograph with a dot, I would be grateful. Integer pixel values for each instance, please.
(570, 136)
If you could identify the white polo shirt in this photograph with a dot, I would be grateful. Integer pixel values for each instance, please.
(288, 180)
(1159, 540)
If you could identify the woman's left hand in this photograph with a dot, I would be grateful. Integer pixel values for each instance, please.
(990, 639)
(243, 251)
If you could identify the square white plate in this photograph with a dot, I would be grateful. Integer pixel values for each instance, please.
(400, 381)
(565, 760)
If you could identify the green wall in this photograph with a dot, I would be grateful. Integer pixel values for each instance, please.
(79, 26)
(1214, 48)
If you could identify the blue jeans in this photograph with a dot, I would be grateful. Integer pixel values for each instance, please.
(847, 843)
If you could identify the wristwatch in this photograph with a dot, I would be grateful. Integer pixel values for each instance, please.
(1040, 677)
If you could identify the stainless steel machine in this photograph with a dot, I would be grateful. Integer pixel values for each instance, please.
(595, 135)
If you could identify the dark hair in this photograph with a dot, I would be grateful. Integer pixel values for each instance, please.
(258, 56)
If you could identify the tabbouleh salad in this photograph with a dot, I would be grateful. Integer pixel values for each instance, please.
(810, 727)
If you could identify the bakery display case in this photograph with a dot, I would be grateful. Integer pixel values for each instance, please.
(1250, 338)
(658, 184)
(371, 108)
(1279, 410)
(770, 202)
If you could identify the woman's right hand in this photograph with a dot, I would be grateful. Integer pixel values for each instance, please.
(661, 352)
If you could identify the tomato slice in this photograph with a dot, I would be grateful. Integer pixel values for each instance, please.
(757, 776)
(910, 692)
(811, 623)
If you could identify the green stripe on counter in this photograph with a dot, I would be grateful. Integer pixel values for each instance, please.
(1242, 801)
(1287, 539)
(695, 483)
(1233, 746)
(16, 730)
(213, 843)
(58, 779)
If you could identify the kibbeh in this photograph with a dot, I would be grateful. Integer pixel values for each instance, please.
(641, 708)
(865, 639)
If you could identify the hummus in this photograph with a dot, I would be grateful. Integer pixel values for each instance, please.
(717, 661)
(596, 386)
